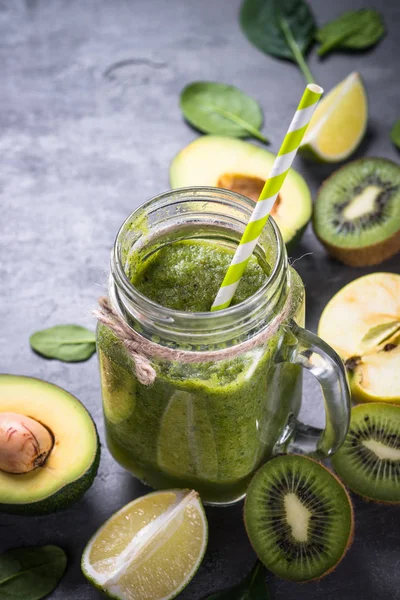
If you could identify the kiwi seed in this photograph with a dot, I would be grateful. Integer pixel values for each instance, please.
(369, 460)
(299, 518)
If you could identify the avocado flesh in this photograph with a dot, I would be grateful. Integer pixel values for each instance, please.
(233, 164)
(73, 462)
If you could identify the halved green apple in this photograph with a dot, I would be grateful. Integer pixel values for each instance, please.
(362, 323)
(242, 167)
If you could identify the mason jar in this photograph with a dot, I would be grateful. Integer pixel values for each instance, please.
(228, 386)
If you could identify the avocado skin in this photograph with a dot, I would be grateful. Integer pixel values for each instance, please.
(64, 497)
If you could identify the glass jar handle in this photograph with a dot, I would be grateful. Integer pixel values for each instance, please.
(301, 347)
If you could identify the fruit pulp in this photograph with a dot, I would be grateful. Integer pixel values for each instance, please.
(150, 549)
(339, 123)
(207, 426)
(368, 338)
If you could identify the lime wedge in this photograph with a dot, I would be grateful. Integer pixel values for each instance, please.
(119, 393)
(339, 123)
(186, 444)
(150, 549)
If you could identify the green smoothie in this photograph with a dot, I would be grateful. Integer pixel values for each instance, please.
(205, 425)
(187, 276)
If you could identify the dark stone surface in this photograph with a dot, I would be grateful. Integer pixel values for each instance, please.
(89, 123)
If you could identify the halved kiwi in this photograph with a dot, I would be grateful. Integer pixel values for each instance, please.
(299, 518)
(357, 212)
(369, 460)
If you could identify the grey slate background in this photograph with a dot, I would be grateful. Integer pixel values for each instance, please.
(89, 122)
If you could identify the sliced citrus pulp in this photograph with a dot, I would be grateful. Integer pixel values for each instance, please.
(339, 123)
(150, 549)
(186, 444)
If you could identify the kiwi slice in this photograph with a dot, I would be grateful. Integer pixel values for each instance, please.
(299, 518)
(369, 460)
(357, 212)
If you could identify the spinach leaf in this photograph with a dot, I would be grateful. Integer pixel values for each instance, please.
(379, 334)
(31, 573)
(353, 30)
(69, 343)
(253, 587)
(221, 109)
(395, 134)
(281, 28)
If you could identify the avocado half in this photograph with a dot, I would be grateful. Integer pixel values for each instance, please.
(242, 167)
(60, 474)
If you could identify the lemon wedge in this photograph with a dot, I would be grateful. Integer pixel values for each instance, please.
(339, 123)
(150, 549)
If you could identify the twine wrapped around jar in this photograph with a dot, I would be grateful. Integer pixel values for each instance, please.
(142, 350)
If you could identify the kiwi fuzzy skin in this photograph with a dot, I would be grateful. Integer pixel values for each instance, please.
(367, 256)
(373, 500)
(351, 534)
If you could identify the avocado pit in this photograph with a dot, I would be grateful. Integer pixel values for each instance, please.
(25, 444)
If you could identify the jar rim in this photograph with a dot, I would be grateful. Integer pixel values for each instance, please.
(186, 207)
(229, 197)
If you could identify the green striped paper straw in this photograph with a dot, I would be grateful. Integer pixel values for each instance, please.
(273, 184)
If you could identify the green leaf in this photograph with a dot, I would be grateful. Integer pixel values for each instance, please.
(31, 573)
(221, 109)
(281, 28)
(395, 134)
(69, 343)
(253, 587)
(379, 334)
(353, 30)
